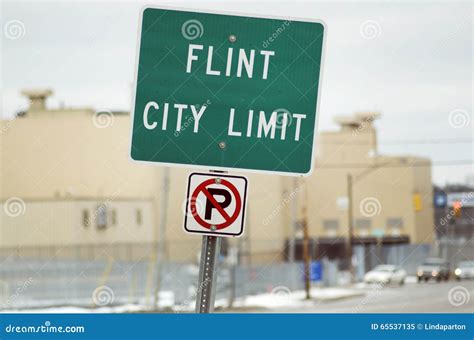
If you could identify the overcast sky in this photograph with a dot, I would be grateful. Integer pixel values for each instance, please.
(410, 60)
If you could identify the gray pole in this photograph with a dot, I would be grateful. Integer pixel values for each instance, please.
(161, 233)
(306, 254)
(206, 289)
(293, 221)
(350, 224)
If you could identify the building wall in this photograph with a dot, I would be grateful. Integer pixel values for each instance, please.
(383, 189)
(63, 156)
(54, 222)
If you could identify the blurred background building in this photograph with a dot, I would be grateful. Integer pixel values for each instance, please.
(83, 194)
(454, 220)
(69, 192)
(390, 198)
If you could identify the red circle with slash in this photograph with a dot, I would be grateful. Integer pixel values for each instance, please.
(202, 188)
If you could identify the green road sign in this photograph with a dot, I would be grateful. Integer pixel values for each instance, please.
(226, 91)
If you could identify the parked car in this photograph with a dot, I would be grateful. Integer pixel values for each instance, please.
(386, 274)
(433, 268)
(464, 270)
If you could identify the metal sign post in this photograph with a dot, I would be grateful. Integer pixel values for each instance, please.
(207, 274)
(231, 193)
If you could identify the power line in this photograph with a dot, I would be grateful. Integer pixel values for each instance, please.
(405, 141)
(406, 164)
(430, 141)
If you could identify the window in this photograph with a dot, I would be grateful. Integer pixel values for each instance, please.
(85, 218)
(101, 218)
(395, 222)
(395, 226)
(363, 223)
(138, 216)
(114, 217)
(362, 226)
(331, 227)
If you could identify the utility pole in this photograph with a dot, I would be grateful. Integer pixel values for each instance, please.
(350, 217)
(350, 224)
(293, 221)
(161, 232)
(306, 255)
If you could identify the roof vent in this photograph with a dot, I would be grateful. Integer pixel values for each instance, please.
(37, 98)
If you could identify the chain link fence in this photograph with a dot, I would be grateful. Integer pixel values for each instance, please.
(88, 276)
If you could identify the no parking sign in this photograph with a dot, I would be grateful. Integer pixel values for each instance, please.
(215, 204)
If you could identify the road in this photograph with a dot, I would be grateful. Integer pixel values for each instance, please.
(411, 298)
(428, 297)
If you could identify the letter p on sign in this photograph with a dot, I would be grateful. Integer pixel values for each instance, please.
(215, 204)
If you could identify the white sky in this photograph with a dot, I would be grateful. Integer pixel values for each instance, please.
(416, 71)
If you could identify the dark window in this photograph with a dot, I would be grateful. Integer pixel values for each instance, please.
(331, 227)
(395, 223)
(114, 217)
(85, 218)
(101, 218)
(139, 217)
(331, 224)
(363, 223)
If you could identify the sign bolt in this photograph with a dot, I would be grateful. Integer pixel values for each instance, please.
(222, 145)
(232, 38)
(218, 180)
(213, 228)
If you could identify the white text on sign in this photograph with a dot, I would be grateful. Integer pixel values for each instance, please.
(258, 123)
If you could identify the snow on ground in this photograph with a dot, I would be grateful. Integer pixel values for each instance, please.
(277, 298)
(80, 310)
(282, 297)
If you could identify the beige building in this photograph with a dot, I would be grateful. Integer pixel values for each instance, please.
(68, 188)
(391, 196)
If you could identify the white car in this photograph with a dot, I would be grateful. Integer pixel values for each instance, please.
(386, 274)
(464, 270)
